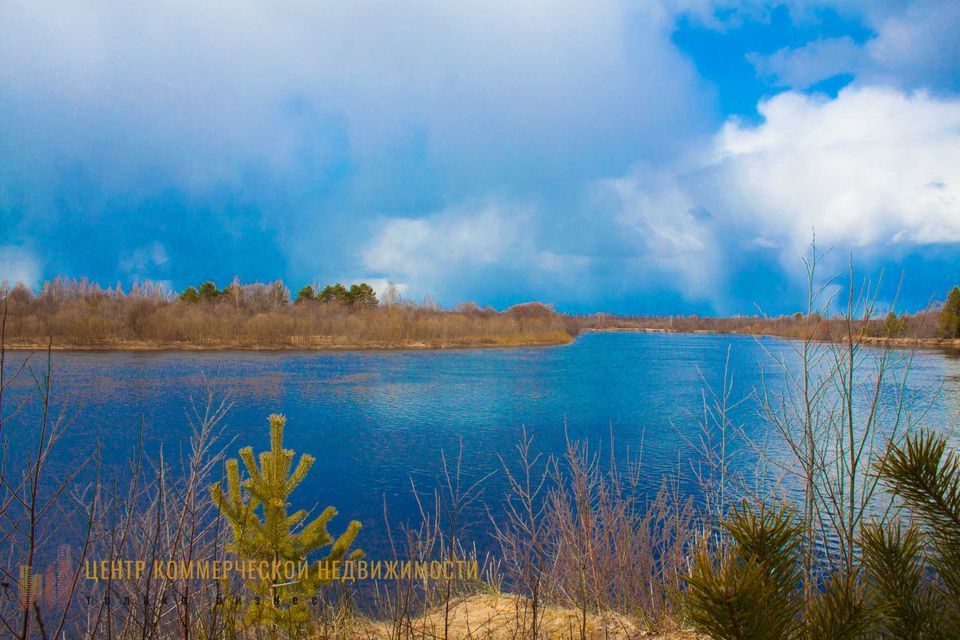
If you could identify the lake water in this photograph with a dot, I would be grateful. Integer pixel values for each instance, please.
(377, 420)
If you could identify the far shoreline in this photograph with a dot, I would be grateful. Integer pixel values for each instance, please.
(939, 344)
(144, 347)
(942, 344)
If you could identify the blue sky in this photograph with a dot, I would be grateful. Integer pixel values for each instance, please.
(657, 156)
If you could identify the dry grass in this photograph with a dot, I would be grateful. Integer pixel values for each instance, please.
(503, 617)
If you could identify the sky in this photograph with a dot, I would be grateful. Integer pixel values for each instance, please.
(645, 157)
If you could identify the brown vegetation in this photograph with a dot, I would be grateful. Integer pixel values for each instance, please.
(78, 314)
(907, 329)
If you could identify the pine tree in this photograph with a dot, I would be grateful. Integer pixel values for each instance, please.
(335, 292)
(950, 315)
(925, 475)
(262, 530)
(190, 295)
(208, 291)
(279, 293)
(907, 600)
(306, 294)
(750, 594)
(908, 587)
(841, 611)
(362, 294)
(894, 326)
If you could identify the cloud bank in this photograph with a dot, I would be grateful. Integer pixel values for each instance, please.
(874, 171)
(568, 151)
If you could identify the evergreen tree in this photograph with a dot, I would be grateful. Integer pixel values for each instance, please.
(901, 591)
(894, 325)
(362, 294)
(950, 315)
(750, 592)
(208, 291)
(306, 294)
(908, 587)
(334, 292)
(262, 530)
(190, 295)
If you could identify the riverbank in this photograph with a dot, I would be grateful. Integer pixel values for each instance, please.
(942, 344)
(320, 343)
(326, 343)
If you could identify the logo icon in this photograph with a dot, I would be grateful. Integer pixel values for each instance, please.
(29, 587)
(52, 588)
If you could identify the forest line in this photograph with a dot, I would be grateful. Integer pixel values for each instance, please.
(79, 314)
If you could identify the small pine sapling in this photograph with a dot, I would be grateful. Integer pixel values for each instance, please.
(262, 531)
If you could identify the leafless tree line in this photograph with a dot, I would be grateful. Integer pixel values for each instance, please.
(821, 324)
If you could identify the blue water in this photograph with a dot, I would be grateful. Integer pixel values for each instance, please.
(378, 421)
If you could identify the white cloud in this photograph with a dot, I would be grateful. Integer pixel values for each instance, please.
(425, 251)
(18, 264)
(443, 253)
(875, 170)
(915, 45)
(670, 236)
(144, 260)
(874, 167)
(307, 120)
(805, 66)
(419, 246)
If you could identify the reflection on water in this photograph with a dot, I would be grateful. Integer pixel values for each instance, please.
(377, 420)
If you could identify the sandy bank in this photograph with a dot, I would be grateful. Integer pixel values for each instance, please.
(503, 617)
